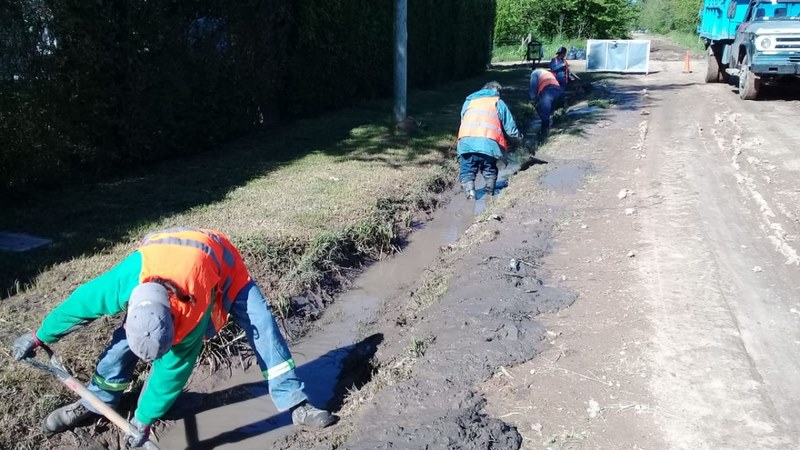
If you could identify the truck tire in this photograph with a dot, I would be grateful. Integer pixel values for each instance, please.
(712, 69)
(715, 71)
(749, 83)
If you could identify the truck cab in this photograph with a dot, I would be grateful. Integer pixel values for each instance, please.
(751, 43)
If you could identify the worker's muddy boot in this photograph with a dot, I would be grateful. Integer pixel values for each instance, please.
(469, 189)
(307, 415)
(67, 417)
(489, 188)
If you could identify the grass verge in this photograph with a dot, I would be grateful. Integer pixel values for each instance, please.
(689, 41)
(305, 203)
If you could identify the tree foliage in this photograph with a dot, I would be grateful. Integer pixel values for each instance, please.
(575, 18)
(92, 87)
(663, 16)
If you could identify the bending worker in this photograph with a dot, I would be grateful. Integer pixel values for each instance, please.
(177, 288)
(545, 92)
(486, 123)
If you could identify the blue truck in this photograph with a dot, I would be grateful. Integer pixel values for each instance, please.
(751, 43)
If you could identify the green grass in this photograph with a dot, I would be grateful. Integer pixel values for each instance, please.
(512, 53)
(690, 41)
(302, 202)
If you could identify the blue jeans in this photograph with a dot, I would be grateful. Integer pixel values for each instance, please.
(252, 313)
(547, 101)
(471, 163)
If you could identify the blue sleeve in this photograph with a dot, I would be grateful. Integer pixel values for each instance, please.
(464, 108)
(507, 120)
(556, 66)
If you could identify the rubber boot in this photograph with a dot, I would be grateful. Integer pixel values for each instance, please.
(469, 189)
(67, 417)
(490, 184)
(307, 415)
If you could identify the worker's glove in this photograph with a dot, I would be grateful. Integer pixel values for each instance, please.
(24, 346)
(140, 434)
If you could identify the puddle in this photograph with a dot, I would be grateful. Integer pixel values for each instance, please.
(20, 242)
(566, 178)
(239, 413)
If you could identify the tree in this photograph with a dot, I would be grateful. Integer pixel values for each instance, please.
(663, 16)
(570, 18)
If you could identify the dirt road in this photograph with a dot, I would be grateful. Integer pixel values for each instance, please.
(640, 288)
(687, 328)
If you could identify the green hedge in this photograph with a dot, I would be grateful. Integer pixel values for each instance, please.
(88, 88)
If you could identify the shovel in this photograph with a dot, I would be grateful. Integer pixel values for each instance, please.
(58, 370)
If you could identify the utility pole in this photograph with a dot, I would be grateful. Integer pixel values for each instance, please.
(400, 60)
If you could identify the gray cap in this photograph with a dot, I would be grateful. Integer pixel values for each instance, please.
(149, 325)
(494, 86)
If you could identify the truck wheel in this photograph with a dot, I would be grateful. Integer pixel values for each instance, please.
(749, 83)
(712, 69)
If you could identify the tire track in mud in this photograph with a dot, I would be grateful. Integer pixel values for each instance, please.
(746, 180)
(710, 389)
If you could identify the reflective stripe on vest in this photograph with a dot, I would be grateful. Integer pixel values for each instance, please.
(546, 78)
(201, 263)
(481, 119)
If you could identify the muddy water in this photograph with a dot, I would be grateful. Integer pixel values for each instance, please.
(239, 414)
(564, 179)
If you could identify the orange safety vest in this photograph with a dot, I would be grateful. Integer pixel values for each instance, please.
(481, 119)
(200, 263)
(546, 78)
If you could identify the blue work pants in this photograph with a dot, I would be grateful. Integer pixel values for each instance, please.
(548, 100)
(252, 313)
(471, 163)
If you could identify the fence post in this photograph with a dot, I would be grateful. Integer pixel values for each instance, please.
(400, 59)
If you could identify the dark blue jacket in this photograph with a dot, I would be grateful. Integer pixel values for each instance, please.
(560, 69)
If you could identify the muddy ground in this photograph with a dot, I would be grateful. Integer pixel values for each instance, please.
(635, 286)
(652, 303)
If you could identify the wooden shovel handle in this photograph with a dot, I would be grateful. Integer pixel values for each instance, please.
(78, 387)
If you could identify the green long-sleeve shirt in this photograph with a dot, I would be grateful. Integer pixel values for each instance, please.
(109, 294)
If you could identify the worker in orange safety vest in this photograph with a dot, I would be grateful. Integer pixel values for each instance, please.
(486, 126)
(545, 92)
(179, 287)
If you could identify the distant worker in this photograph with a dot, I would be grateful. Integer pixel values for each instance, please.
(178, 287)
(560, 67)
(545, 92)
(486, 125)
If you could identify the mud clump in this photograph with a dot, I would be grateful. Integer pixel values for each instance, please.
(462, 427)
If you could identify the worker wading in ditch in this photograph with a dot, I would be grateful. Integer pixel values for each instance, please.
(486, 127)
